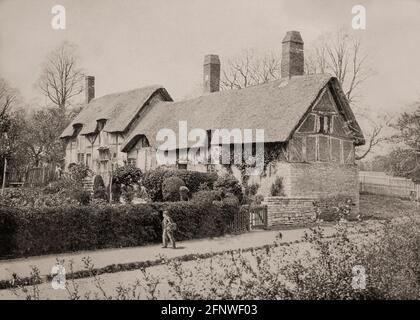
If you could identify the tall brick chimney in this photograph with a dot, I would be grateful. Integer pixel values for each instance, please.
(89, 88)
(292, 60)
(211, 80)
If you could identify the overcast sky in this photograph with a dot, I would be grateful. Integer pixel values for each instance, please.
(132, 43)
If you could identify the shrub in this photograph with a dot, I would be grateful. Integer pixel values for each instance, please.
(389, 255)
(208, 196)
(79, 171)
(125, 178)
(37, 231)
(250, 193)
(334, 208)
(171, 188)
(99, 190)
(277, 189)
(83, 197)
(184, 193)
(36, 197)
(193, 180)
(229, 184)
(127, 175)
(116, 192)
(152, 181)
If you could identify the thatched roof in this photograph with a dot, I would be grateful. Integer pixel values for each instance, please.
(119, 109)
(277, 107)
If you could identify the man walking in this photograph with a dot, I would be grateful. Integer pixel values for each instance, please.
(168, 227)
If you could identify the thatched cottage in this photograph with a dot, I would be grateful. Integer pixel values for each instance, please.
(306, 119)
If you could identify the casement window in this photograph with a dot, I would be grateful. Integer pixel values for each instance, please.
(81, 158)
(324, 124)
(182, 166)
(131, 161)
(88, 160)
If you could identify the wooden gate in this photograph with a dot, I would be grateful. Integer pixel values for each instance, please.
(258, 217)
(240, 221)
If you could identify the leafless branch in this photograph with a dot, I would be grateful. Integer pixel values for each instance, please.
(61, 80)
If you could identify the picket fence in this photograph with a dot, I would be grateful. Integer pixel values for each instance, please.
(378, 183)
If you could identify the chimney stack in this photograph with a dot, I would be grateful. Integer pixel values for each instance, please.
(292, 61)
(211, 74)
(89, 88)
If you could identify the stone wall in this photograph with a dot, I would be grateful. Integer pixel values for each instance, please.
(282, 211)
(323, 180)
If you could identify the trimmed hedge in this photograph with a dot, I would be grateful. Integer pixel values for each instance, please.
(29, 231)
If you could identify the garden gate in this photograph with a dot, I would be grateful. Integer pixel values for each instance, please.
(258, 217)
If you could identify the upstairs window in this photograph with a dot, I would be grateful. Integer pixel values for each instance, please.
(324, 124)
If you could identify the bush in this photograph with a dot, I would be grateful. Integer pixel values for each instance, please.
(79, 171)
(152, 181)
(184, 193)
(126, 178)
(334, 208)
(36, 197)
(38, 231)
(277, 189)
(99, 190)
(388, 256)
(127, 175)
(208, 196)
(170, 188)
(250, 193)
(229, 184)
(193, 180)
(83, 197)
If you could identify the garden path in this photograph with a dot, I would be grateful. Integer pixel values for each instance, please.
(106, 257)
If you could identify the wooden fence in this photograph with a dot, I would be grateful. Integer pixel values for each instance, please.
(41, 176)
(386, 185)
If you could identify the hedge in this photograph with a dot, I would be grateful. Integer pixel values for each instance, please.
(30, 231)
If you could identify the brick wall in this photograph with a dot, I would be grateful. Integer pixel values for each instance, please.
(319, 179)
(282, 211)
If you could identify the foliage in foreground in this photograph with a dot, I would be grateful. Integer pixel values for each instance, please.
(320, 267)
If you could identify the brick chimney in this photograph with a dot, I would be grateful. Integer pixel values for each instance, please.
(89, 88)
(211, 75)
(292, 60)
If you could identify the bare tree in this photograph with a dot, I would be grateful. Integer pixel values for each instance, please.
(7, 97)
(61, 79)
(375, 136)
(342, 55)
(249, 68)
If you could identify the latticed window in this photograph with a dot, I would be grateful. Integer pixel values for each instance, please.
(324, 124)
(81, 158)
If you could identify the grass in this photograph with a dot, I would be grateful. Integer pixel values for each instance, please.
(381, 207)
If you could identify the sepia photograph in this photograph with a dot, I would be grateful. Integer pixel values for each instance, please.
(200, 153)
